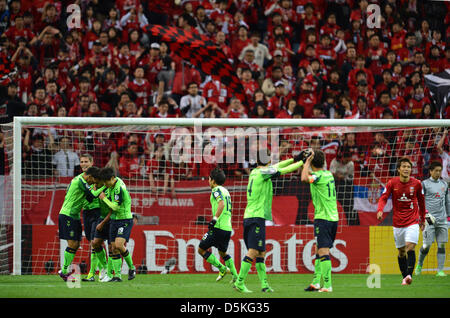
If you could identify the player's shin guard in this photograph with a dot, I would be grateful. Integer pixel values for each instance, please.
(317, 272)
(411, 261)
(230, 264)
(69, 255)
(127, 257)
(117, 265)
(245, 268)
(261, 270)
(325, 268)
(441, 258)
(402, 264)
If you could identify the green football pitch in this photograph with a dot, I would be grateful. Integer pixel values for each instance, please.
(204, 286)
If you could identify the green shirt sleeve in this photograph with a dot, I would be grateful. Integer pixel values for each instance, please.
(113, 205)
(291, 168)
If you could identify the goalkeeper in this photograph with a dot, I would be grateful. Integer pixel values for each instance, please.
(257, 211)
(219, 229)
(69, 223)
(437, 203)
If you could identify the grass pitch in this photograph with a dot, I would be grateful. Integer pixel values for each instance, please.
(191, 286)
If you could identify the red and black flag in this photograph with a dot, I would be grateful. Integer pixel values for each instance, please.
(7, 69)
(201, 52)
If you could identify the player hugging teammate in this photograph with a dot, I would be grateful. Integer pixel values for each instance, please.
(115, 204)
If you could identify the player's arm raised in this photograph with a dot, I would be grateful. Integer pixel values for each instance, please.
(306, 175)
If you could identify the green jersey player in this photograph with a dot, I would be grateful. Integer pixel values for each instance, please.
(117, 197)
(323, 194)
(91, 213)
(69, 223)
(219, 229)
(257, 211)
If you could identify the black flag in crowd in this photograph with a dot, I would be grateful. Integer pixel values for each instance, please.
(439, 86)
(200, 52)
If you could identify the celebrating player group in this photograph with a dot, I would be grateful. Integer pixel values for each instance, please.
(106, 206)
(107, 216)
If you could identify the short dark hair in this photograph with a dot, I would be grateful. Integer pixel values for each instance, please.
(106, 173)
(319, 159)
(435, 164)
(93, 171)
(218, 176)
(402, 160)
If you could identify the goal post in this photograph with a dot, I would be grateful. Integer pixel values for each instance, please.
(144, 125)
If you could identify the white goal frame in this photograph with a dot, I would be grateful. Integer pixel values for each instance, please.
(21, 121)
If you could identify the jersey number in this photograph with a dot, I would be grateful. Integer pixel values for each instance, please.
(331, 189)
(250, 188)
(228, 201)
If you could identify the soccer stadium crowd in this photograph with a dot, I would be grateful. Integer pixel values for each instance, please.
(295, 59)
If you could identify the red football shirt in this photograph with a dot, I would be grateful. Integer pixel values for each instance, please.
(407, 200)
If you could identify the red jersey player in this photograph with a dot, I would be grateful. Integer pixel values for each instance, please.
(408, 215)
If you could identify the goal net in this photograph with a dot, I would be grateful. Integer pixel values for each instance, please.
(165, 165)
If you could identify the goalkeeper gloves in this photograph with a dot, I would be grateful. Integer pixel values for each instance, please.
(430, 219)
(212, 223)
(303, 155)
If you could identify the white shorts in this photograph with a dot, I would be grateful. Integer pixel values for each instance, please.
(408, 234)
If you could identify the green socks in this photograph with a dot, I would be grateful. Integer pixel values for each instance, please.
(230, 264)
(94, 262)
(101, 258)
(325, 268)
(245, 268)
(110, 267)
(261, 270)
(117, 265)
(317, 271)
(210, 258)
(69, 255)
(127, 257)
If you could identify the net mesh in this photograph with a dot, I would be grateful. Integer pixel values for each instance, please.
(166, 171)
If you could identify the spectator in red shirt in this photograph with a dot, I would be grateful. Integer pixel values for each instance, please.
(375, 56)
(416, 103)
(141, 87)
(306, 98)
(18, 30)
(383, 103)
(398, 36)
(159, 169)
(241, 41)
(130, 162)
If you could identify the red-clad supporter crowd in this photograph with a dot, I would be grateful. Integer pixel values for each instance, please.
(295, 59)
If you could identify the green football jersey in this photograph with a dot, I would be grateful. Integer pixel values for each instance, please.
(218, 194)
(260, 193)
(323, 194)
(75, 198)
(120, 196)
(104, 208)
(95, 204)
